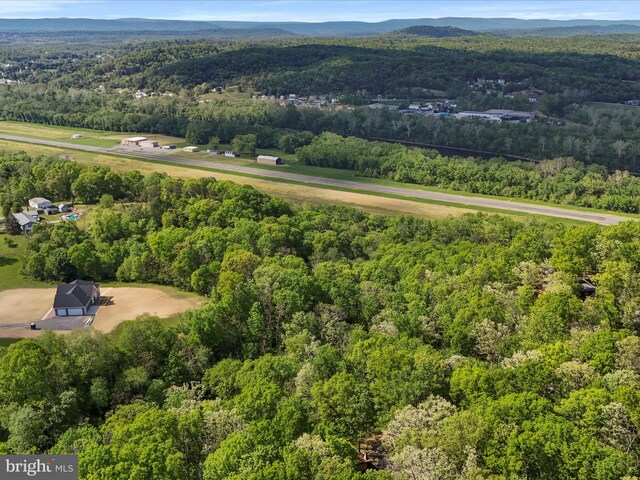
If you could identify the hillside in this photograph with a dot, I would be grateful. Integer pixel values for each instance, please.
(437, 32)
(334, 28)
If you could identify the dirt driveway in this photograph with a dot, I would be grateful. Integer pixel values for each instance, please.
(25, 305)
(22, 306)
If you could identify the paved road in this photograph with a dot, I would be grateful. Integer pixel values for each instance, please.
(596, 217)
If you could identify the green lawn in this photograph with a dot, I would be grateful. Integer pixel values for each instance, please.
(10, 261)
(94, 142)
(5, 342)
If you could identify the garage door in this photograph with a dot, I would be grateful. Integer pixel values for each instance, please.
(75, 311)
(61, 312)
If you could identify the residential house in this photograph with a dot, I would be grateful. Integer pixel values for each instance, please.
(149, 144)
(64, 208)
(40, 203)
(26, 220)
(190, 149)
(231, 153)
(75, 298)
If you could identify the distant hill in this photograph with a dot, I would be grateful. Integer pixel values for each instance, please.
(436, 32)
(578, 30)
(514, 25)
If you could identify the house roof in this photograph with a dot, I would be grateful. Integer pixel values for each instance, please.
(136, 139)
(76, 294)
(24, 219)
(268, 157)
(39, 200)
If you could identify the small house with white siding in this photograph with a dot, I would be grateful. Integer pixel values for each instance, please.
(190, 149)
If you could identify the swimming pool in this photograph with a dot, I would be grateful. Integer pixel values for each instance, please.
(73, 216)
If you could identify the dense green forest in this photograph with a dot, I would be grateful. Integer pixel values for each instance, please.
(452, 349)
(604, 68)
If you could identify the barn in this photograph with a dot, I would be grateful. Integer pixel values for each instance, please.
(269, 160)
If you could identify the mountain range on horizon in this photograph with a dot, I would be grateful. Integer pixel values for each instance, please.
(331, 28)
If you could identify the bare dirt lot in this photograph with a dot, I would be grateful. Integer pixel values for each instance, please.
(25, 305)
(127, 303)
(19, 307)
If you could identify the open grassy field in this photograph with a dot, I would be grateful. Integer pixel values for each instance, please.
(98, 138)
(10, 262)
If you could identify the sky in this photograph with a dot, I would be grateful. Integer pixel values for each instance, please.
(321, 10)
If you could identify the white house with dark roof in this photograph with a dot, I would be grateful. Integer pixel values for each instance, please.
(75, 298)
(40, 203)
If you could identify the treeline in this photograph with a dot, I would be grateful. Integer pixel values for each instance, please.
(561, 180)
(449, 349)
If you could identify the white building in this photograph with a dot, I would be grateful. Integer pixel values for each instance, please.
(132, 141)
(40, 203)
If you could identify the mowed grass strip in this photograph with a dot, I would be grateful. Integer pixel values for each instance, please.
(54, 132)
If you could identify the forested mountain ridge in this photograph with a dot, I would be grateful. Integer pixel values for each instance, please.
(450, 349)
(335, 28)
(436, 32)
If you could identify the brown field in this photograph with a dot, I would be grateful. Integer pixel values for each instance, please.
(22, 306)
